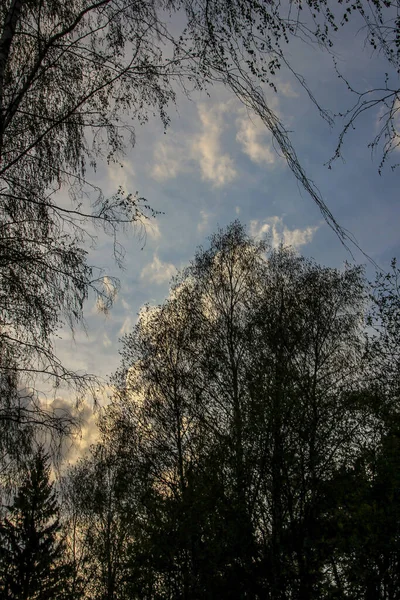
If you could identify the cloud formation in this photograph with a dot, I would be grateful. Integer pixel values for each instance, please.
(109, 291)
(152, 229)
(121, 175)
(106, 341)
(278, 233)
(84, 433)
(251, 136)
(169, 158)
(126, 326)
(285, 88)
(202, 225)
(177, 153)
(125, 304)
(215, 166)
(157, 271)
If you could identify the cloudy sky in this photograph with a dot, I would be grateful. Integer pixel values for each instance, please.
(217, 163)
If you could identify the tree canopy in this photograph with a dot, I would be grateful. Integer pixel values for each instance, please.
(249, 450)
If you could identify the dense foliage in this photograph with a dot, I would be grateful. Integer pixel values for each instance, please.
(251, 447)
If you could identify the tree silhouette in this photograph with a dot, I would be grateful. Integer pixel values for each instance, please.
(31, 549)
(250, 449)
(238, 388)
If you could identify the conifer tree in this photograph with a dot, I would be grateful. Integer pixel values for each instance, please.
(31, 546)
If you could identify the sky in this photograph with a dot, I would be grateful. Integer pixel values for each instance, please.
(217, 163)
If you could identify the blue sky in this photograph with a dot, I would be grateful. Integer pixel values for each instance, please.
(217, 163)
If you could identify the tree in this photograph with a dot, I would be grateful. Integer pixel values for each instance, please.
(100, 498)
(31, 558)
(369, 502)
(368, 515)
(380, 19)
(241, 389)
(57, 79)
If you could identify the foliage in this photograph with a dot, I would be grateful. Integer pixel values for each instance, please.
(100, 510)
(238, 388)
(250, 450)
(58, 79)
(31, 546)
(384, 320)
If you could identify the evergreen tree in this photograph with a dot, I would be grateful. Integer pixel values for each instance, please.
(31, 547)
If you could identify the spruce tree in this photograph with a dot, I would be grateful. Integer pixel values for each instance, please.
(31, 546)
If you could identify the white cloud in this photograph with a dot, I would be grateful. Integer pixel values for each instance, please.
(274, 228)
(286, 89)
(121, 175)
(170, 158)
(158, 271)
(216, 166)
(125, 304)
(251, 135)
(259, 230)
(86, 433)
(202, 225)
(106, 341)
(152, 229)
(298, 237)
(176, 153)
(383, 115)
(126, 326)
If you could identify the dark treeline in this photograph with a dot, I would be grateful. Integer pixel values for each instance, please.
(250, 450)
